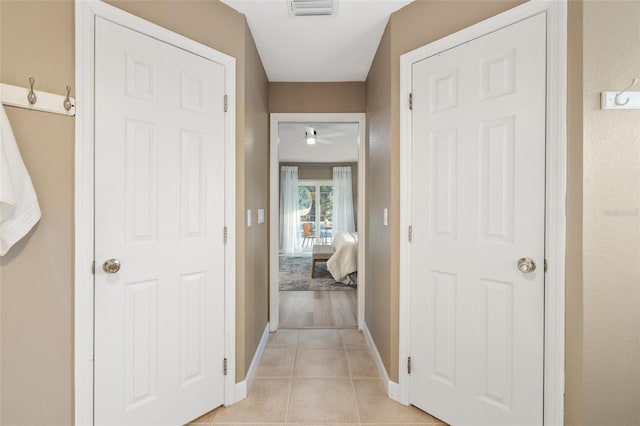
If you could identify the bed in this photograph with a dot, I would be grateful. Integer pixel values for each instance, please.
(343, 264)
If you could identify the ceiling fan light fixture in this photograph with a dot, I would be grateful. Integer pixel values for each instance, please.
(312, 8)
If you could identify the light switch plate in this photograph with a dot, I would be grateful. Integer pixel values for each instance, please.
(385, 219)
(260, 215)
(248, 218)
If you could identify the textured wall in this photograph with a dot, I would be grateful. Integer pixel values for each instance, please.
(611, 233)
(256, 159)
(36, 288)
(378, 197)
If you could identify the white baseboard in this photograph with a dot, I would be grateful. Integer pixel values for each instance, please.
(255, 362)
(243, 387)
(241, 391)
(392, 388)
(394, 392)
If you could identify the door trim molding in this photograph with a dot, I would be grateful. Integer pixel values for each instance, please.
(274, 203)
(555, 244)
(85, 13)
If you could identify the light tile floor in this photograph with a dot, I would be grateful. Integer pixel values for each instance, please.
(317, 377)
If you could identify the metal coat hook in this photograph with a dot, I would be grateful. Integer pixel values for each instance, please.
(618, 101)
(67, 102)
(31, 96)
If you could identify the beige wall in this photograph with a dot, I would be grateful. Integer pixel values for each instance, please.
(338, 97)
(256, 151)
(314, 171)
(413, 26)
(36, 294)
(611, 233)
(573, 291)
(378, 197)
(323, 171)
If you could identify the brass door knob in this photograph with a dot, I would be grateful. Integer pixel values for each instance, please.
(111, 266)
(526, 265)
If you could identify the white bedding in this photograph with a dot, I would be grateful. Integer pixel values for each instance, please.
(345, 259)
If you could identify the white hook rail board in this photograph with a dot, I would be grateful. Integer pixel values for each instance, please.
(47, 102)
(625, 100)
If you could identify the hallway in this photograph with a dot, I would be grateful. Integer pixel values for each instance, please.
(317, 377)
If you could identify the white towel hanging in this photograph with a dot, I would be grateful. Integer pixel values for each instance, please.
(19, 208)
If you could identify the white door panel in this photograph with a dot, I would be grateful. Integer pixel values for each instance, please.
(159, 164)
(477, 206)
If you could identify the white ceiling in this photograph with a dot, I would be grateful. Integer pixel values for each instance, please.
(318, 48)
(343, 146)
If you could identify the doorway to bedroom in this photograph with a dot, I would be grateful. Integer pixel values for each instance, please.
(317, 206)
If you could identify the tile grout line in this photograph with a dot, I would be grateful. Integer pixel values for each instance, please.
(353, 385)
(293, 369)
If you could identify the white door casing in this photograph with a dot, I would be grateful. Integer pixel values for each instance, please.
(159, 194)
(477, 205)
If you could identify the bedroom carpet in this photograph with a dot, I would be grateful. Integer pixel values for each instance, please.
(295, 275)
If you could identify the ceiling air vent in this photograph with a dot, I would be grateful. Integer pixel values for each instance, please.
(311, 7)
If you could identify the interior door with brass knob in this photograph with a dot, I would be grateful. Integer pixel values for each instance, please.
(159, 218)
(477, 206)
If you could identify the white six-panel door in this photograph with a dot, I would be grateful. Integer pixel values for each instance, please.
(159, 210)
(477, 207)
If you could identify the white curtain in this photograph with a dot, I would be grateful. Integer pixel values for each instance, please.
(343, 220)
(290, 241)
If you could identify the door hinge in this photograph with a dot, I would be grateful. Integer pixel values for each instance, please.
(410, 100)
(224, 366)
(410, 233)
(545, 265)
(409, 365)
(226, 235)
(226, 103)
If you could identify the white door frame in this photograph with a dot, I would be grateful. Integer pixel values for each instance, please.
(555, 190)
(86, 12)
(274, 204)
